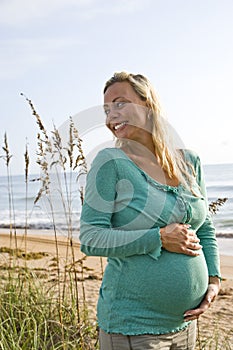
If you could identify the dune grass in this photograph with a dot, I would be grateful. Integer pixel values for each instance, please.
(32, 317)
(44, 312)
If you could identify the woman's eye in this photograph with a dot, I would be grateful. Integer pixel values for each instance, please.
(114, 105)
(120, 104)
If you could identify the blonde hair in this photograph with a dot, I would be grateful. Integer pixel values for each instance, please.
(171, 159)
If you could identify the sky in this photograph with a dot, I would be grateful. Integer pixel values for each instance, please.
(59, 53)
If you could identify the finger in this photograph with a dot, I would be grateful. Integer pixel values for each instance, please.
(187, 226)
(191, 315)
(195, 246)
(191, 318)
(194, 239)
(190, 252)
(194, 314)
(198, 311)
(184, 228)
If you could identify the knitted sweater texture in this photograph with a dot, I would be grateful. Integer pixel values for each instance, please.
(145, 289)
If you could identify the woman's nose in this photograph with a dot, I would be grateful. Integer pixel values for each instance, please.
(112, 114)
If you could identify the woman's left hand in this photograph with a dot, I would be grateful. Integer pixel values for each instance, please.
(212, 292)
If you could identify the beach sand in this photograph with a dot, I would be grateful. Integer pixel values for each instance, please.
(217, 320)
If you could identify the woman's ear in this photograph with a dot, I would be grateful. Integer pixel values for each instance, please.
(149, 114)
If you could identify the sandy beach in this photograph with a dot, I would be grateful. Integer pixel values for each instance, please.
(218, 317)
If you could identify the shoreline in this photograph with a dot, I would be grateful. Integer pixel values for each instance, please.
(225, 241)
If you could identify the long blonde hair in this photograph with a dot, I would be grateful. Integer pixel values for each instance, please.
(171, 159)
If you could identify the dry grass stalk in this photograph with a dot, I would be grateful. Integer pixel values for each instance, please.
(7, 157)
(5, 148)
(214, 206)
(39, 122)
(26, 160)
(80, 160)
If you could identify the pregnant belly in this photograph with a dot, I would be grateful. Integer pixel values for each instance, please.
(170, 285)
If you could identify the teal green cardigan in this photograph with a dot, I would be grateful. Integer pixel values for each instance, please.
(145, 289)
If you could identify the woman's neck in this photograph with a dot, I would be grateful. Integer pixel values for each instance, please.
(142, 149)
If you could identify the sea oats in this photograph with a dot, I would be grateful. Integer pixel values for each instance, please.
(214, 206)
(5, 148)
(26, 159)
(58, 154)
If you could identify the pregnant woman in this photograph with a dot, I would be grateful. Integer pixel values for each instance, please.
(146, 210)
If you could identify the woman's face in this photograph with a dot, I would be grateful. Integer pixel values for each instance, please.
(126, 113)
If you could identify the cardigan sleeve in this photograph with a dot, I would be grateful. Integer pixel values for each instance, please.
(206, 232)
(97, 236)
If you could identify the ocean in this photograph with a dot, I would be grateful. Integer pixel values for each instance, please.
(219, 184)
(20, 209)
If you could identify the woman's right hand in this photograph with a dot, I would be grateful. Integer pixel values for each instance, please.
(179, 238)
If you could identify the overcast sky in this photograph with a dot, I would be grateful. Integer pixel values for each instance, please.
(61, 52)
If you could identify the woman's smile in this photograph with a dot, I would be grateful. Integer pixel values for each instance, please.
(119, 126)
